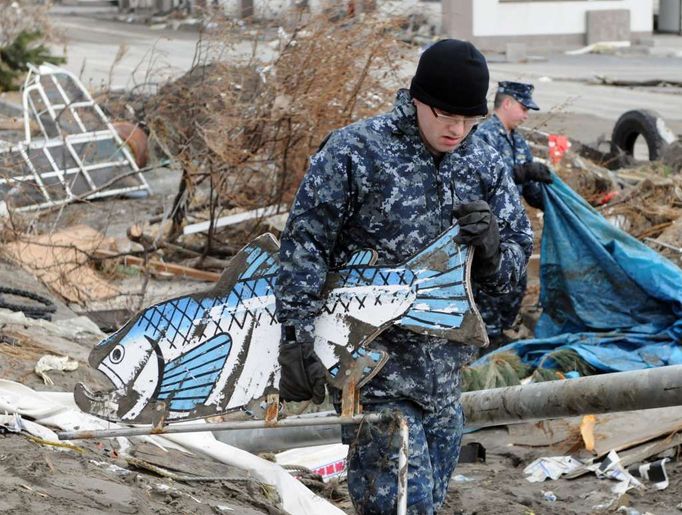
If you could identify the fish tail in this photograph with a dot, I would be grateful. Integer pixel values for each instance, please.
(444, 304)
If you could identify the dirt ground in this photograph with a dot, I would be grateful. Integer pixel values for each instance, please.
(89, 478)
(93, 478)
(499, 486)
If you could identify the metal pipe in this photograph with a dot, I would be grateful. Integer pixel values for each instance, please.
(403, 453)
(622, 391)
(279, 439)
(283, 438)
(197, 428)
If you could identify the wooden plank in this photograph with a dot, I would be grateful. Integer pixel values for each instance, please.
(618, 431)
(545, 433)
(636, 454)
(159, 266)
(611, 431)
(647, 450)
(184, 463)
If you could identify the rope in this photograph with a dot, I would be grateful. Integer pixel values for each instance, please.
(31, 311)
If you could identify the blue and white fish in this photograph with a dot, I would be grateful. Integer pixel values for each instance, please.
(216, 351)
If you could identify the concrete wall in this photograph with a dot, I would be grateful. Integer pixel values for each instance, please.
(669, 16)
(495, 18)
(548, 24)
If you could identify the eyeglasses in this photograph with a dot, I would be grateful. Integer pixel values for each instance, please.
(467, 121)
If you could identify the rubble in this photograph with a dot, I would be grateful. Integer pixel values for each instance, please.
(261, 119)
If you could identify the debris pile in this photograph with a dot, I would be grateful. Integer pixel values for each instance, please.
(242, 132)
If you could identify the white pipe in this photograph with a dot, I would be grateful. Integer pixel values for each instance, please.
(402, 466)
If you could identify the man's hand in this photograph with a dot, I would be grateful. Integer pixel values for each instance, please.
(302, 374)
(478, 227)
(533, 171)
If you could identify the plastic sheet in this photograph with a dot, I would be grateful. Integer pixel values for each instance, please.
(605, 295)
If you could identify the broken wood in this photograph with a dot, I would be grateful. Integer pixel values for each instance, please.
(159, 266)
(562, 433)
(618, 431)
(600, 433)
(150, 244)
(636, 454)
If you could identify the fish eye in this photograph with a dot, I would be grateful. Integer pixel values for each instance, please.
(117, 354)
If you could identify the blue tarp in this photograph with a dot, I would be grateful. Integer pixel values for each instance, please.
(605, 295)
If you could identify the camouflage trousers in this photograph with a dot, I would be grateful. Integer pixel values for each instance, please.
(500, 312)
(434, 444)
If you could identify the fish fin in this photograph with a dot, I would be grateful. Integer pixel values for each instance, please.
(365, 257)
(444, 306)
(188, 380)
(257, 259)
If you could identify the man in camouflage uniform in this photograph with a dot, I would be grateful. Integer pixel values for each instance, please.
(512, 102)
(393, 183)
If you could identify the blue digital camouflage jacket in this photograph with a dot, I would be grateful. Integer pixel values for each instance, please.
(514, 151)
(375, 185)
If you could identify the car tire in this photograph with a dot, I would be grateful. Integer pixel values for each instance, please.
(642, 122)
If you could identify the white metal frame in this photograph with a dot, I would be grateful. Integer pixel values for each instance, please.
(42, 85)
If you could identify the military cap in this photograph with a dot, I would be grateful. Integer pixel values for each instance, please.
(520, 91)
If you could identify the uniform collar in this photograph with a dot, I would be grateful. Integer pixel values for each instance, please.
(404, 114)
(500, 126)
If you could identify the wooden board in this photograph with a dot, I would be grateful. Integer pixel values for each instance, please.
(60, 261)
(563, 432)
(187, 464)
(215, 351)
(612, 431)
(618, 431)
(159, 266)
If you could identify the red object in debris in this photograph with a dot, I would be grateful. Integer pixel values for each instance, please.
(135, 139)
(331, 470)
(606, 198)
(558, 145)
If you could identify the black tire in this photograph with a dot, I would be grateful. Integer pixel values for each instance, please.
(633, 124)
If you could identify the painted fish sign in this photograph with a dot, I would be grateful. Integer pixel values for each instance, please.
(214, 352)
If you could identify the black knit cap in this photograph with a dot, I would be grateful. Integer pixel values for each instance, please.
(452, 75)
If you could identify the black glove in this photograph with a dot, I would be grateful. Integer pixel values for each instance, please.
(532, 171)
(478, 227)
(302, 377)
